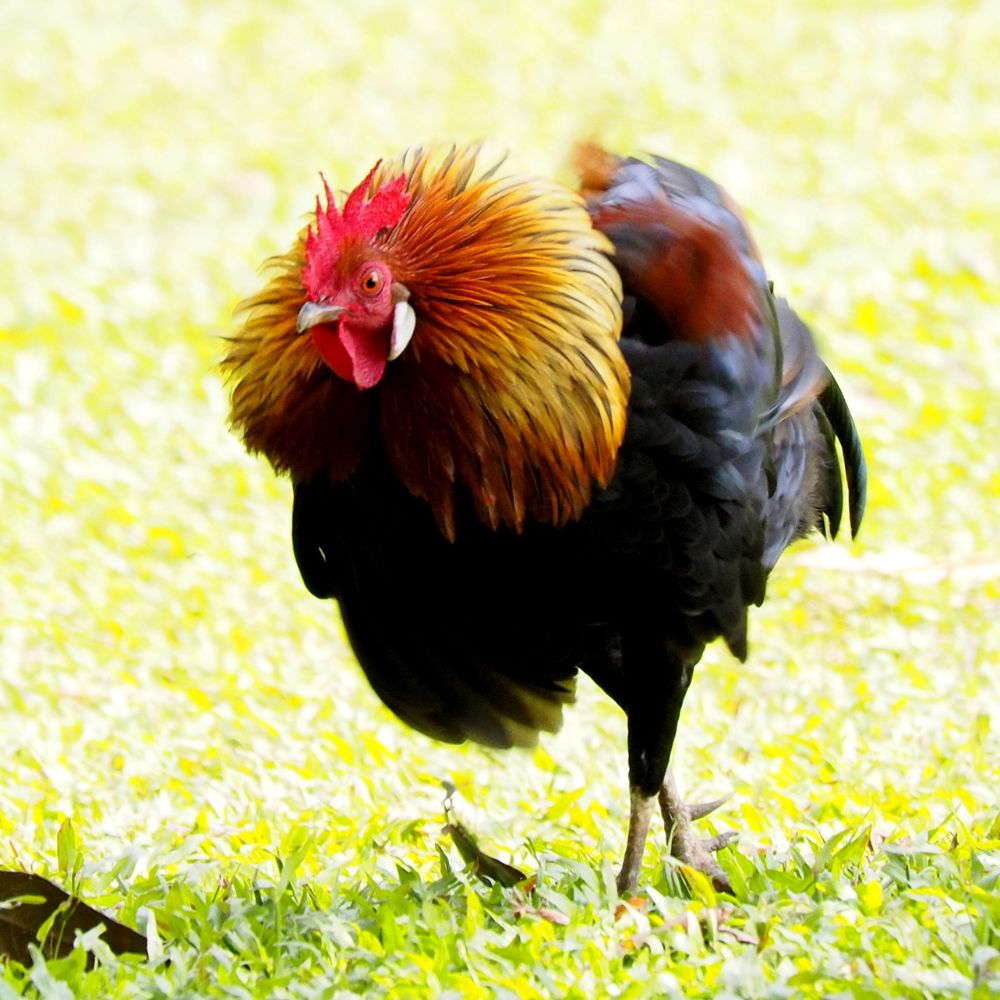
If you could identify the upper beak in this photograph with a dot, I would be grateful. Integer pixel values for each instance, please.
(312, 314)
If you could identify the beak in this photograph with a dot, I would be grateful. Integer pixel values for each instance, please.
(311, 314)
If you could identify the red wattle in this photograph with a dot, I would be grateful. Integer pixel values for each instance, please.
(368, 351)
(332, 351)
(355, 356)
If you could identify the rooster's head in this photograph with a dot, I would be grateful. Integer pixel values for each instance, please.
(358, 314)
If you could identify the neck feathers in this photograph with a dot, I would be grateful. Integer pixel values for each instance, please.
(513, 386)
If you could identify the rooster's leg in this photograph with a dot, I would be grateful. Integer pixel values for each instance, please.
(651, 689)
(649, 683)
(685, 844)
(640, 814)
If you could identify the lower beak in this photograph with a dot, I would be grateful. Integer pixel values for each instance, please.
(312, 314)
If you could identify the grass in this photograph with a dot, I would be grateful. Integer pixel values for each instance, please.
(168, 687)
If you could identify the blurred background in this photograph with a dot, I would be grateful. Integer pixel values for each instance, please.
(165, 680)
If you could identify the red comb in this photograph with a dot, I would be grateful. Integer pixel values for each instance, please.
(360, 218)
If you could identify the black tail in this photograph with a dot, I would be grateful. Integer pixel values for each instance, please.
(842, 423)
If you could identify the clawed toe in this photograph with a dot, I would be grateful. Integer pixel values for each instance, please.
(716, 843)
(701, 809)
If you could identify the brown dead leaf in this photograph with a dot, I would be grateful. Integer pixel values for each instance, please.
(27, 901)
(482, 865)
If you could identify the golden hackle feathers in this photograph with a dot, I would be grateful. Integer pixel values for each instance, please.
(285, 401)
(513, 387)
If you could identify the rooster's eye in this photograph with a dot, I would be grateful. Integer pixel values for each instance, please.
(372, 282)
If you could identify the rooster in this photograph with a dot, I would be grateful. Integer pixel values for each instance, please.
(532, 432)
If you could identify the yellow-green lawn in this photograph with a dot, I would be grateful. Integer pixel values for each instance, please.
(168, 687)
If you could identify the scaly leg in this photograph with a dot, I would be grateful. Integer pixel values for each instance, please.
(652, 699)
(640, 814)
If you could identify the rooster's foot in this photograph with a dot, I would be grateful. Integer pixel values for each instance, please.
(685, 844)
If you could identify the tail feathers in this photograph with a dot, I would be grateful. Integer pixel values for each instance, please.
(807, 382)
(836, 412)
(803, 374)
(831, 504)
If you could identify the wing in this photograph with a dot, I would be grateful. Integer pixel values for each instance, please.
(473, 639)
(316, 552)
(729, 452)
